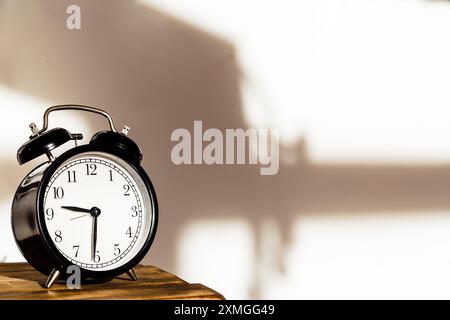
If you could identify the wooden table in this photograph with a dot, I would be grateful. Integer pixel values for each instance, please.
(19, 281)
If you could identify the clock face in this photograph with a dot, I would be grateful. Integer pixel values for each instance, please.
(97, 211)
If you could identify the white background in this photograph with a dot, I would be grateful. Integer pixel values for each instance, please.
(360, 85)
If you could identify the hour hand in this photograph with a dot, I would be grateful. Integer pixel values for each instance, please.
(77, 209)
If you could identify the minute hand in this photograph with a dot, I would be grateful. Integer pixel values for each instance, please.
(94, 238)
(77, 209)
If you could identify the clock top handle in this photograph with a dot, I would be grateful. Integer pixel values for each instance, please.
(43, 141)
(78, 107)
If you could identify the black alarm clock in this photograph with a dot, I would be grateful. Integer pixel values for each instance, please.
(93, 206)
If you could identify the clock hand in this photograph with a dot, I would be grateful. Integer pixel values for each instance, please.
(77, 209)
(94, 237)
(84, 215)
(95, 212)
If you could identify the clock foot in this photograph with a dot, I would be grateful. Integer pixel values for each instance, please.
(52, 278)
(132, 274)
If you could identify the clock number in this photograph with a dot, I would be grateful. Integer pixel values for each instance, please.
(97, 257)
(116, 250)
(50, 213)
(58, 236)
(135, 212)
(58, 192)
(110, 175)
(71, 175)
(127, 190)
(91, 169)
(128, 233)
(76, 248)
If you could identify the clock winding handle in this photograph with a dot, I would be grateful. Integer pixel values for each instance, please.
(78, 107)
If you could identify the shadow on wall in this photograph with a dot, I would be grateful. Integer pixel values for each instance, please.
(156, 73)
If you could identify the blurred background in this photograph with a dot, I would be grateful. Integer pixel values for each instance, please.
(357, 88)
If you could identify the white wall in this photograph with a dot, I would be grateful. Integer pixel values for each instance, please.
(362, 86)
(366, 83)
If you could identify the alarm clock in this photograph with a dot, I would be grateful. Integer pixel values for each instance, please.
(93, 206)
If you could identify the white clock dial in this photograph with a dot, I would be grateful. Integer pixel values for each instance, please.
(97, 211)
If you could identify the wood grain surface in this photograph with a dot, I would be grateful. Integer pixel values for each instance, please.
(19, 281)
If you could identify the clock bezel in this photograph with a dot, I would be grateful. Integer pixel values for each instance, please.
(51, 247)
